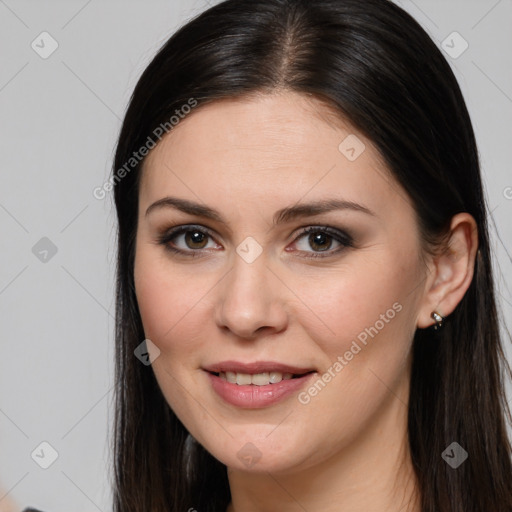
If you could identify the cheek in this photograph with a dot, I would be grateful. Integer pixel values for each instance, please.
(369, 300)
(170, 304)
(370, 309)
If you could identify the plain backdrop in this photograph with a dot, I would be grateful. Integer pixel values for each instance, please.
(59, 120)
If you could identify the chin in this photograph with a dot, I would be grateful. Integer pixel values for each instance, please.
(259, 454)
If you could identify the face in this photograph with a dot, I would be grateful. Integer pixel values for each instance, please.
(286, 247)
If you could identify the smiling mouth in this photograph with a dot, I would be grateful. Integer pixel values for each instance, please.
(258, 384)
(257, 379)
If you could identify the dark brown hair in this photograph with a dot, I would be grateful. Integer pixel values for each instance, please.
(376, 67)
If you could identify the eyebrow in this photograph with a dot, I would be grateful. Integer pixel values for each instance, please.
(281, 216)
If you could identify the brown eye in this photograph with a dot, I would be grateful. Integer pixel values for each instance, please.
(187, 240)
(315, 240)
(320, 241)
(196, 239)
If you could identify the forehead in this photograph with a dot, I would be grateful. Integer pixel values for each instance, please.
(278, 147)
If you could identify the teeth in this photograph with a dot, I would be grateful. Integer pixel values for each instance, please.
(229, 376)
(258, 379)
(242, 379)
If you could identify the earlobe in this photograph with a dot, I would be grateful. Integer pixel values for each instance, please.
(453, 269)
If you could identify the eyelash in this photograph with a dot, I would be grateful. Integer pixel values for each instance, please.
(343, 238)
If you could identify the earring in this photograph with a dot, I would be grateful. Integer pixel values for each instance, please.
(438, 318)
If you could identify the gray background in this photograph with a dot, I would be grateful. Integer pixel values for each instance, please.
(60, 117)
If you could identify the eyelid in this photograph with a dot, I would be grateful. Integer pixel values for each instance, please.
(183, 228)
(330, 230)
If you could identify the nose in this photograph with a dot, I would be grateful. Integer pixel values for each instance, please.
(251, 300)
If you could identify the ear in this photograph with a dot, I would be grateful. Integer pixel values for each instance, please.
(451, 271)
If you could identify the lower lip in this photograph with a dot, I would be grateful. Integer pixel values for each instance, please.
(256, 397)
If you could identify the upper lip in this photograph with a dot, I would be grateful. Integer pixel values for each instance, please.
(255, 367)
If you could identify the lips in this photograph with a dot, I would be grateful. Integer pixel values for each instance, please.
(256, 385)
(256, 397)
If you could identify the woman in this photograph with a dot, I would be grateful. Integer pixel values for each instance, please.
(306, 316)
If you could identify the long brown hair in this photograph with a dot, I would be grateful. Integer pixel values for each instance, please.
(376, 67)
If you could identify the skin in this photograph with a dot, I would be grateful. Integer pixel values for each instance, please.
(346, 449)
(6, 503)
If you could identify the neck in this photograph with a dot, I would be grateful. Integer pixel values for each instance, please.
(373, 473)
